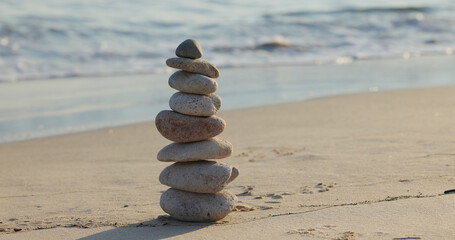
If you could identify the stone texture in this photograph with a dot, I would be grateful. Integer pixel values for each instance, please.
(194, 104)
(192, 83)
(197, 207)
(194, 66)
(183, 152)
(200, 176)
(189, 49)
(183, 128)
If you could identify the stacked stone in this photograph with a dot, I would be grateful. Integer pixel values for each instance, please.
(196, 181)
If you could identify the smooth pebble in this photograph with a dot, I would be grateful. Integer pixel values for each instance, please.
(189, 49)
(197, 207)
(183, 128)
(195, 66)
(195, 104)
(200, 176)
(214, 148)
(192, 83)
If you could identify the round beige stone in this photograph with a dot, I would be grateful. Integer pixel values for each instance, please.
(192, 83)
(194, 104)
(214, 148)
(200, 176)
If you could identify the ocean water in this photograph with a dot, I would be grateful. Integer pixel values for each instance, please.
(79, 38)
(74, 65)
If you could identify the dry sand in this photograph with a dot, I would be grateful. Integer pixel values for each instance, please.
(362, 166)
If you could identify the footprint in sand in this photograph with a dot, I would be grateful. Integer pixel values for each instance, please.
(303, 231)
(243, 208)
(306, 190)
(323, 187)
(266, 207)
(349, 235)
(274, 196)
(284, 151)
(324, 233)
(320, 187)
(253, 154)
(247, 191)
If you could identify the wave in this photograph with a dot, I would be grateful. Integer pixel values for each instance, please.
(275, 44)
(81, 74)
(357, 11)
(240, 64)
(62, 43)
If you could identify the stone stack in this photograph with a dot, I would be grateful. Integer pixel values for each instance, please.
(196, 181)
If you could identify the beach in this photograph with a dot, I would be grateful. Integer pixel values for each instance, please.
(335, 119)
(357, 166)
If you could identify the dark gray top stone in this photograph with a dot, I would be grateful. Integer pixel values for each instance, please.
(189, 49)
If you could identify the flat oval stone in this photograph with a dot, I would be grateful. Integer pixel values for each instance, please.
(189, 49)
(200, 176)
(197, 207)
(195, 66)
(195, 104)
(183, 128)
(192, 83)
(214, 148)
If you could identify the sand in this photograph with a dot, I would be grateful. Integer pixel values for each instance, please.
(360, 166)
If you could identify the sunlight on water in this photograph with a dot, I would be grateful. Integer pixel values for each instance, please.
(51, 39)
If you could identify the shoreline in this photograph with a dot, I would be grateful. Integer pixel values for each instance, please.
(32, 110)
(382, 156)
(107, 128)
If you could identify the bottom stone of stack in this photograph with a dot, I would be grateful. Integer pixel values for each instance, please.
(197, 207)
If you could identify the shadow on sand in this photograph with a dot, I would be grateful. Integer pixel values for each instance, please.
(160, 228)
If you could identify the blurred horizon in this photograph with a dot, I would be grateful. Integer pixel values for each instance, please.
(74, 38)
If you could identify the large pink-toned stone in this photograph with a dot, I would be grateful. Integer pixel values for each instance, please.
(195, 66)
(183, 128)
